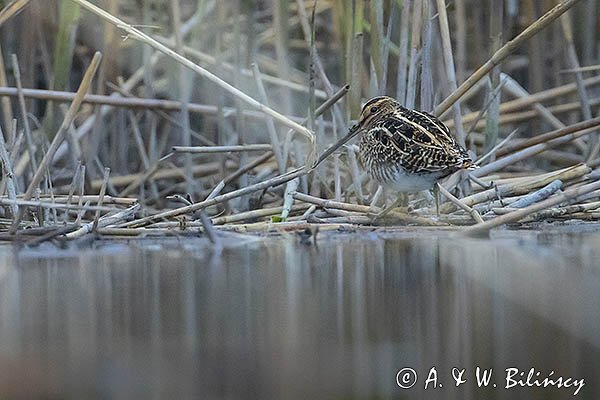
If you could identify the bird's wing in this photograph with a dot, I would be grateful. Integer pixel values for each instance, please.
(423, 142)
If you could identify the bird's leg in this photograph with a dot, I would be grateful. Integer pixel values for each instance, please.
(401, 200)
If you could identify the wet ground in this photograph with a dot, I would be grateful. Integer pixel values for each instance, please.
(274, 318)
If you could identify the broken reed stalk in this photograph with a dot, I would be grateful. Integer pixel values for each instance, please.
(567, 196)
(546, 137)
(471, 211)
(530, 151)
(101, 197)
(504, 52)
(521, 186)
(68, 120)
(522, 102)
(105, 221)
(60, 135)
(142, 37)
(537, 196)
(565, 211)
(7, 171)
(278, 180)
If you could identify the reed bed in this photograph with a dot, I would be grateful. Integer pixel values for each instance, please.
(198, 117)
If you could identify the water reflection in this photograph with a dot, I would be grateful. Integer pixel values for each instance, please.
(280, 319)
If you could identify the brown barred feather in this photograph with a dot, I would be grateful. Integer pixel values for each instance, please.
(400, 142)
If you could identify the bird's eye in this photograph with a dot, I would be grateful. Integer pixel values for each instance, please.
(374, 109)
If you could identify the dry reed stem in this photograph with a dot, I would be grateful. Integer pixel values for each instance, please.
(288, 199)
(58, 231)
(415, 38)
(308, 38)
(116, 100)
(334, 204)
(574, 61)
(62, 132)
(355, 173)
(207, 58)
(11, 9)
(68, 120)
(105, 221)
(64, 199)
(74, 182)
(318, 112)
(101, 197)
(523, 102)
(269, 121)
(38, 203)
(7, 113)
(245, 168)
(524, 116)
(7, 177)
(514, 88)
(505, 51)
(24, 114)
(332, 224)
(81, 191)
(278, 180)
(450, 70)
(547, 137)
(589, 68)
(222, 149)
(538, 195)
(567, 196)
(126, 94)
(255, 214)
(142, 37)
(403, 56)
(495, 149)
(530, 151)
(200, 170)
(565, 211)
(471, 211)
(521, 186)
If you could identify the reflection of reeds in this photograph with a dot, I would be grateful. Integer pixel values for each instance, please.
(246, 90)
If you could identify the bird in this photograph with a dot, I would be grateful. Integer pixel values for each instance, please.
(402, 149)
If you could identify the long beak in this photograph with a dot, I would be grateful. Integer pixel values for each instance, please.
(351, 133)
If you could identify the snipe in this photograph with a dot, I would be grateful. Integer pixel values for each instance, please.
(402, 149)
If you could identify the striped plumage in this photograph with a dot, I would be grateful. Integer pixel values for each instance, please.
(404, 149)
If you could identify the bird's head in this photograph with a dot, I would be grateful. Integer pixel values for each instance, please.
(375, 109)
(372, 111)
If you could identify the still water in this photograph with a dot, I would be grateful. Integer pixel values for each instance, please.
(276, 318)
